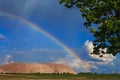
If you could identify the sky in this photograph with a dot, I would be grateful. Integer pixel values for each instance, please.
(19, 42)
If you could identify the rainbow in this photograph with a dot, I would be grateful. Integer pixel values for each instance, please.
(80, 62)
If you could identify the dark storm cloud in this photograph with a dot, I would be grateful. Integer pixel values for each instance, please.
(50, 9)
(12, 6)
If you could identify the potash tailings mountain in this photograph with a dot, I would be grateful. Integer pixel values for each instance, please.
(35, 68)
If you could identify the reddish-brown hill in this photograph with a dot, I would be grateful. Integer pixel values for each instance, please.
(35, 68)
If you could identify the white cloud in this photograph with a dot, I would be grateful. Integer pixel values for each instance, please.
(105, 57)
(89, 46)
(8, 56)
(8, 59)
(74, 64)
(92, 65)
(69, 62)
(2, 37)
(46, 50)
(105, 63)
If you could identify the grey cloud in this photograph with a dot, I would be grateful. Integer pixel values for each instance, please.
(2, 37)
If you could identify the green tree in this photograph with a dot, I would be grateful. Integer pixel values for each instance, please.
(104, 13)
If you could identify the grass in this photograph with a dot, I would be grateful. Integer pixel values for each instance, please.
(37, 76)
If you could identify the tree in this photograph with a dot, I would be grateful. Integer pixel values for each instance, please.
(104, 13)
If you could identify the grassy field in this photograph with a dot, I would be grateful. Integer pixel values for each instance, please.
(59, 77)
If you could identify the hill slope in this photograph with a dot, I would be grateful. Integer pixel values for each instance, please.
(35, 68)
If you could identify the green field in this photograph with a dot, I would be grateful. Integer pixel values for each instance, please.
(59, 77)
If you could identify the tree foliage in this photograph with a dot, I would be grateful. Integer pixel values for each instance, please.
(104, 13)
